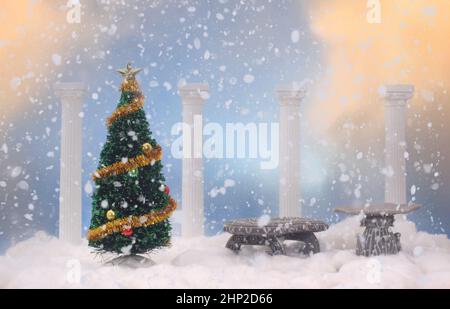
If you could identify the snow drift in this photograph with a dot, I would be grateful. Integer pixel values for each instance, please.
(45, 262)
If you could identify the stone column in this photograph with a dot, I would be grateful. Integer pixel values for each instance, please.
(193, 97)
(71, 96)
(290, 98)
(395, 100)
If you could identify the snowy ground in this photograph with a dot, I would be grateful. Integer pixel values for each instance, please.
(45, 262)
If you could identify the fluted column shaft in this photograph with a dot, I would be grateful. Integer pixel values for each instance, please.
(395, 100)
(71, 96)
(193, 97)
(289, 181)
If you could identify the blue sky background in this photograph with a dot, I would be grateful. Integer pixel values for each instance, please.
(217, 42)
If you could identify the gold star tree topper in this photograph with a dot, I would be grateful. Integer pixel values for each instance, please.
(129, 73)
(129, 82)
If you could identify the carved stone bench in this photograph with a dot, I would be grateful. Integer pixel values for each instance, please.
(272, 234)
(378, 237)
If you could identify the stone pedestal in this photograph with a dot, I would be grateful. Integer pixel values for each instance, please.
(378, 237)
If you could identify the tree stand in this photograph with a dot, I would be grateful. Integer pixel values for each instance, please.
(131, 261)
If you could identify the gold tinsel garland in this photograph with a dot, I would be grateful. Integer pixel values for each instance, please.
(130, 85)
(120, 225)
(149, 155)
(122, 111)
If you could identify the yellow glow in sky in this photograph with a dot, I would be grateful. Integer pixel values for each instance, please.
(410, 45)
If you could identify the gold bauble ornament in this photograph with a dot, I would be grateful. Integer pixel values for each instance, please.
(110, 215)
(133, 173)
(147, 147)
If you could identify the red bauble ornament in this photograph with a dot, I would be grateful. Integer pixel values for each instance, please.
(167, 190)
(127, 232)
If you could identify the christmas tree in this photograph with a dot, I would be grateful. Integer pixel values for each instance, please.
(131, 202)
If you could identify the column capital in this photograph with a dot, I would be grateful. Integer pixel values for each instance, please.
(290, 94)
(396, 95)
(64, 90)
(194, 94)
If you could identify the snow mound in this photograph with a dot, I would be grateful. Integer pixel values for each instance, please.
(204, 262)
